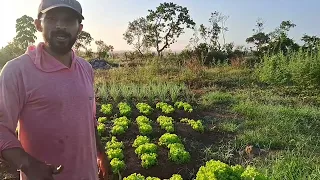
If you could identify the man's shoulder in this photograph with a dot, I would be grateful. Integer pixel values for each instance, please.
(16, 64)
(85, 63)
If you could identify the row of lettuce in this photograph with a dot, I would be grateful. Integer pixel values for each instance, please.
(126, 110)
(213, 170)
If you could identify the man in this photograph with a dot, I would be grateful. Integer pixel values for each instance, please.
(48, 94)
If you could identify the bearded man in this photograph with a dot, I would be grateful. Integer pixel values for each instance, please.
(48, 94)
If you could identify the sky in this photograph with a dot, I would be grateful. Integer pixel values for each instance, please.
(107, 20)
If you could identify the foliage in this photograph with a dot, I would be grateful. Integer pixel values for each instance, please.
(166, 123)
(136, 35)
(114, 150)
(25, 30)
(148, 160)
(178, 154)
(84, 39)
(137, 176)
(146, 148)
(165, 107)
(215, 98)
(217, 170)
(166, 24)
(168, 138)
(125, 109)
(117, 165)
(120, 125)
(140, 140)
(101, 129)
(115, 153)
(106, 109)
(25, 36)
(114, 144)
(176, 177)
(144, 108)
(196, 125)
(295, 68)
(134, 176)
(144, 125)
(183, 105)
(102, 120)
(146, 151)
(103, 49)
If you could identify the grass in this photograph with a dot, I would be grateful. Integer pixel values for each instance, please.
(282, 120)
(150, 92)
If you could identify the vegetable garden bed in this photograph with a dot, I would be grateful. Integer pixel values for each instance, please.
(161, 141)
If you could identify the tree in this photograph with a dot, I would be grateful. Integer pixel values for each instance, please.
(25, 35)
(89, 53)
(280, 42)
(310, 42)
(11, 51)
(136, 35)
(25, 30)
(84, 39)
(103, 49)
(166, 24)
(259, 38)
(210, 34)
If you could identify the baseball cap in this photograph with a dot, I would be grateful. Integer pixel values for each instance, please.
(47, 5)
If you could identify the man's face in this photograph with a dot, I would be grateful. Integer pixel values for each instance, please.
(60, 28)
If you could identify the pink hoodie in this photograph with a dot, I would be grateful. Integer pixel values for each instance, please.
(54, 107)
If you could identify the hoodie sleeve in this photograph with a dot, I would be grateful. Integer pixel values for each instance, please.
(12, 97)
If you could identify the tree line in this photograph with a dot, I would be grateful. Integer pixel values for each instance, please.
(163, 26)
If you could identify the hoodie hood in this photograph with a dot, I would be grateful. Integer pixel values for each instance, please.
(44, 61)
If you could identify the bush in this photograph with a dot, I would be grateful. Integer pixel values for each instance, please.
(300, 68)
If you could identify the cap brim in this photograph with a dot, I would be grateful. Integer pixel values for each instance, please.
(61, 5)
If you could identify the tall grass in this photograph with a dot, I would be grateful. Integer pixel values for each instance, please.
(301, 68)
(149, 92)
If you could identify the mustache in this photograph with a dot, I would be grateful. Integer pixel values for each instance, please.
(61, 33)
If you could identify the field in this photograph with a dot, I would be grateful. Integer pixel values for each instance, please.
(246, 122)
(270, 131)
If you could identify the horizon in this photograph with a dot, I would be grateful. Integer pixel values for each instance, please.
(117, 14)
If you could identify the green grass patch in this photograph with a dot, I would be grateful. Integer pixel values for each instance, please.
(278, 126)
(217, 98)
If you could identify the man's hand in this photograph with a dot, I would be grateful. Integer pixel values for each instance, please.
(30, 166)
(37, 170)
(103, 167)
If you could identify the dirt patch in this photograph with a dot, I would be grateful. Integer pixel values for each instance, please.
(7, 172)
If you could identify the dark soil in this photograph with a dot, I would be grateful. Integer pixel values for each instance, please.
(194, 142)
(7, 172)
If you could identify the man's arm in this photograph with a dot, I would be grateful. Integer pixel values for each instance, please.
(12, 98)
(100, 148)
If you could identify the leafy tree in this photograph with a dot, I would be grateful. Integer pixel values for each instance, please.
(89, 53)
(259, 38)
(84, 39)
(166, 24)
(210, 34)
(11, 51)
(136, 35)
(310, 42)
(280, 42)
(210, 50)
(25, 30)
(103, 49)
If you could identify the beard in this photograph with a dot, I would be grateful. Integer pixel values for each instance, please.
(60, 42)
